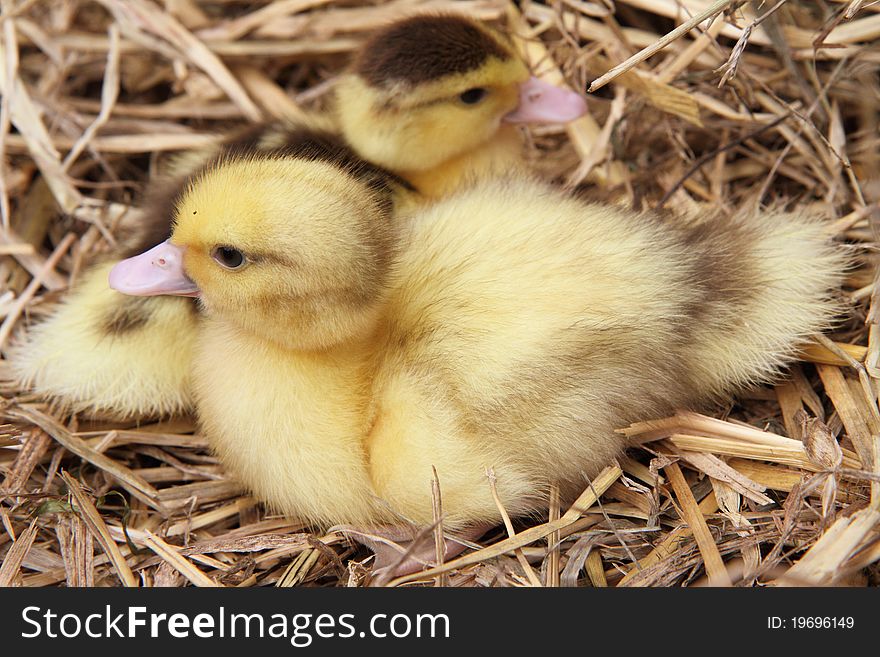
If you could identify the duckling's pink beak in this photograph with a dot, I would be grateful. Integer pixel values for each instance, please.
(542, 102)
(154, 272)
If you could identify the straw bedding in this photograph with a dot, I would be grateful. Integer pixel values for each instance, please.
(773, 103)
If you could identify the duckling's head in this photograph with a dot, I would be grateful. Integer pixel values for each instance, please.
(294, 249)
(433, 87)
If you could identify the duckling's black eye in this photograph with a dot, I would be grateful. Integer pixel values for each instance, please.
(473, 96)
(228, 257)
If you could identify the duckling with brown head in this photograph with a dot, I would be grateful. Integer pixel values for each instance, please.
(435, 99)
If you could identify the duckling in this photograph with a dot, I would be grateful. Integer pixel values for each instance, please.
(432, 98)
(436, 99)
(348, 351)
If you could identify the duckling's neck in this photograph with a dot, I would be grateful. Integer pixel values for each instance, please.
(499, 155)
(275, 414)
(310, 325)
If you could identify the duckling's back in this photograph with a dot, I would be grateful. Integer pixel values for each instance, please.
(533, 298)
(537, 324)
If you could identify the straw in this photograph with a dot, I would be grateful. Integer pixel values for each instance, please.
(98, 97)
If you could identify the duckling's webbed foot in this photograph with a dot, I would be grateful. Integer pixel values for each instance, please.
(401, 550)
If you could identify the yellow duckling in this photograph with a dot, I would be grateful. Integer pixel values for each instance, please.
(436, 99)
(347, 351)
(444, 116)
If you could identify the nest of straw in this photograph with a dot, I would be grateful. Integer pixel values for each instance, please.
(768, 103)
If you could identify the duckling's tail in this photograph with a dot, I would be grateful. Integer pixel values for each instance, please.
(766, 282)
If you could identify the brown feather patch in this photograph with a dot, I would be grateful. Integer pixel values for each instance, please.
(130, 314)
(724, 270)
(320, 146)
(314, 146)
(425, 48)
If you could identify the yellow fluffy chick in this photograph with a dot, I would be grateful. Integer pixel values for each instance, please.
(436, 99)
(438, 119)
(347, 352)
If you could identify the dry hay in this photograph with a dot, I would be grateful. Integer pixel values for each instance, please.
(778, 106)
